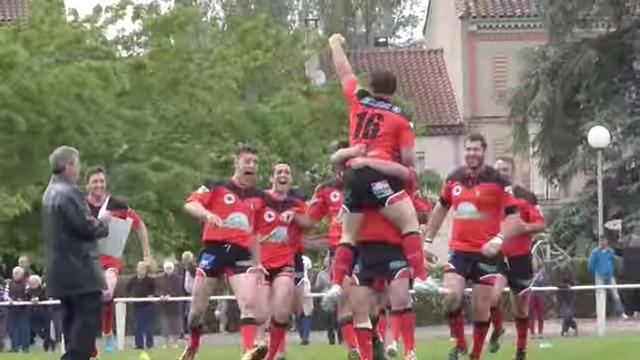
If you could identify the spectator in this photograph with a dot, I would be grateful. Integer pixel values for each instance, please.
(18, 315)
(3, 312)
(303, 320)
(323, 283)
(602, 265)
(142, 286)
(566, 302)
(169, 284)
(537, 305)
(25, 263)
(189, 272)
(40, 316)
(631, 275)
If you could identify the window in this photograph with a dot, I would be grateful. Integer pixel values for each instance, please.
(499, 75)
(420, 162)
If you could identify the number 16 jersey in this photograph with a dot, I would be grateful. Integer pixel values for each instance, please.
(377, 123)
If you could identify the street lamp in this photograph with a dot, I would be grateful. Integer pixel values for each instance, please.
(599, 138)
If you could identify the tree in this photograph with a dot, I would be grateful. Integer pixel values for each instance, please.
(162, 108)
(582, 77)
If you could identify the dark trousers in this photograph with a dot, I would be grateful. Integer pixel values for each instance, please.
(333, 328)
(19, 330)
(143, 315)
(569, 323)
(80, 324)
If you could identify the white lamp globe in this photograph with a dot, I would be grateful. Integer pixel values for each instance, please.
(599, 137)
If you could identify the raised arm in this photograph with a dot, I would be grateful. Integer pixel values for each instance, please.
(340, 60)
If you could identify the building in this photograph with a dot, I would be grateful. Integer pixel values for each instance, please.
(483, 43)
(11, 10)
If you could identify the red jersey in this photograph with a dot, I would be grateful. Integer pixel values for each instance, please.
(529, 211)
(327, 202)
(279, 237)
(236, 206)
(377, 123)
(377, 228)
(479, 204)
(119, 209)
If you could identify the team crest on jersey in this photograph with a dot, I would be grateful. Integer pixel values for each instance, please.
(335, 196)
(269, 216)
(229, 199)
(238, 220)
(467, 210)
(457, 190)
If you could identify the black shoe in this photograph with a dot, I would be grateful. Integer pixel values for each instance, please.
(457, 353)
(520, 355)
(494, 342)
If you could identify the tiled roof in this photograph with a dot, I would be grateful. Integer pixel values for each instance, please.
(12, 9)
(422, 79)
(491, 9)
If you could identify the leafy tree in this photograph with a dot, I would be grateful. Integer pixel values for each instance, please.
(162, 108)
(582, 77)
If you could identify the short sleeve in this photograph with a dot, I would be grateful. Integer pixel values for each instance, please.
(318, 206)
(445, 194)
(406, 137)
(350, 90)
(137, 220)
(203, 196)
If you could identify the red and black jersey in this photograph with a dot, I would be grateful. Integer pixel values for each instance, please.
(327, 202)
(377, 123)
(118, 208)
(279, 237)
(530, 213)
(236, 206)
(479, 203)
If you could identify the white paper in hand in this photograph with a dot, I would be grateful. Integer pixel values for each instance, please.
(119, 230)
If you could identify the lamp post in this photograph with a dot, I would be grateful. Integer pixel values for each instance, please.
(599, 138)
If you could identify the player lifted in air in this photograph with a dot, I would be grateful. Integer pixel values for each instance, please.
(480, 199)
(279, 234)
(98, 197)
(516, 267)
(377, 129)
(228, 210)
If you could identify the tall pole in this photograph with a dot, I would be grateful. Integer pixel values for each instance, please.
(600, 202)
(601, 294)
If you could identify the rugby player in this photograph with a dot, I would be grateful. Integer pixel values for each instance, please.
(480, 199)
(516, 269)
(98, 194)
(382, 131)
(228, 210)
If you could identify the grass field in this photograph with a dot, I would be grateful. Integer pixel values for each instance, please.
(585, 348)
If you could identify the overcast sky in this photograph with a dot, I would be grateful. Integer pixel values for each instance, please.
(84, 8)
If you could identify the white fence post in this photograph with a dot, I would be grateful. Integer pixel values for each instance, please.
(121, 324)
(601, 306)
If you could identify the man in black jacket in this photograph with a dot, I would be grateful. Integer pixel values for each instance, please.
(73, 270)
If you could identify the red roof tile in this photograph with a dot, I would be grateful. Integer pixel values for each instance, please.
(498, 8)
(12, 9)
(422, 79)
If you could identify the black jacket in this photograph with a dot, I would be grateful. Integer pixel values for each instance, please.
(73, 264)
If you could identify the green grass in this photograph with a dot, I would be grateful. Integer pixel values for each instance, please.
(586, 348)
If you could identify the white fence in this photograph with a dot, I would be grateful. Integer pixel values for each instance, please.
(121, 304)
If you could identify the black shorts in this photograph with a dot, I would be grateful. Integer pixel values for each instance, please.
(298, 268)
(378, 263)
(281, 271)
(369, 188)
(220, 258)
(473, 267)
(518, 271)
